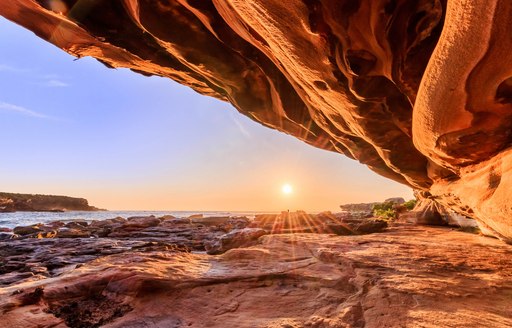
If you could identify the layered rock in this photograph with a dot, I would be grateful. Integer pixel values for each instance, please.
(419, 91)
(11, 202)
(408, 276)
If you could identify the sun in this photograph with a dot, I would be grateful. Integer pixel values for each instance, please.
(286, 189)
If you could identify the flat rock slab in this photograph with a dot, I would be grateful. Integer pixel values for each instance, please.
(408, 276)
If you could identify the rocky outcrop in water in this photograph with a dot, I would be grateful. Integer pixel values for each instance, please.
(11, 202)
(419, 91)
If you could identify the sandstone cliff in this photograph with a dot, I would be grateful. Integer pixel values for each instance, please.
(10, 202)
(419, 91)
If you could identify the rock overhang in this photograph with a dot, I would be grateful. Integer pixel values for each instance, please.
(419, 91)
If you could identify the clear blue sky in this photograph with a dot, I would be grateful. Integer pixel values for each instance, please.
(125, 141)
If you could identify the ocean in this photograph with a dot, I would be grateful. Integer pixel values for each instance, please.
(11, 220)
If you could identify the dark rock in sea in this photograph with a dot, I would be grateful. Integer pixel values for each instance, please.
(76, 224)
(4, 236)
(27, 230)
(54, 224)
(73, 233)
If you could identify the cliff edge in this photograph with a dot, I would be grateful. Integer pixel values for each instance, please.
(11, 202)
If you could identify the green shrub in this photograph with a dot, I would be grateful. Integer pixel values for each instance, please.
(384, 210)
(385, 214)
(409, 205)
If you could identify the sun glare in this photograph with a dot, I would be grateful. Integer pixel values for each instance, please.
(287, 189)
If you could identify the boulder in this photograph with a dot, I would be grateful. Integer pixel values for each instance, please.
(54, 224)
(76, 224)
(115, 222)
(234, 223)
(179, 221)
(6, 236)
(73, 233)
(367, 226)
(167, 217)
(235, 239)
(141, 222)
(27, 230)
(210, 220)
(338, 229)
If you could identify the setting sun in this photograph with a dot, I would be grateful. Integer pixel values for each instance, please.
(287, 189)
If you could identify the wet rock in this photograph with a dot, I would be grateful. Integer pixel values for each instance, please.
(73, 233)
(76, 225)
(4, 229)
(27, 230)
(54, 225)
(4, 236)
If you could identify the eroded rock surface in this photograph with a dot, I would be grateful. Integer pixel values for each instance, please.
(419, 91)
(408, 276)
(48, 250)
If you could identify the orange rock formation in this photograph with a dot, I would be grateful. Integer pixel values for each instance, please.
(419, 91)
(409, 276)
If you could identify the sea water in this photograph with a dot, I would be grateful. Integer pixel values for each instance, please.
(11, 220)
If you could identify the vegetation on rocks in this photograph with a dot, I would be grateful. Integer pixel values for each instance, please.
(390, 210)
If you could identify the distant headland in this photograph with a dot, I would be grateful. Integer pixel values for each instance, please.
(11, 202)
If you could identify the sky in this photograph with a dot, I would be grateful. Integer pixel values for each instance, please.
(129, 142)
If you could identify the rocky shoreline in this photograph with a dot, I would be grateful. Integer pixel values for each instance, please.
(281, 270)
(42, 251)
